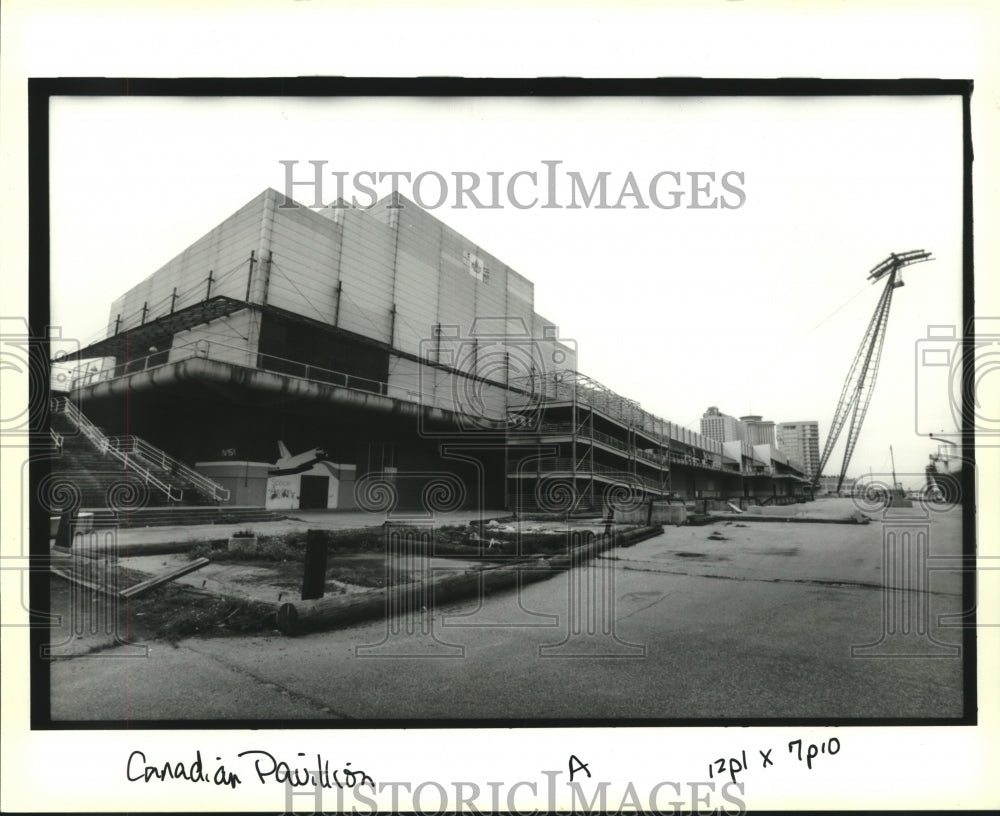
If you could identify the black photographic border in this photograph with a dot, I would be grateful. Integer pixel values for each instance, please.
(41, 90)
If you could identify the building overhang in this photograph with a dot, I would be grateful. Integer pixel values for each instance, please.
(229, 376)
(791, 477)
(159, 331)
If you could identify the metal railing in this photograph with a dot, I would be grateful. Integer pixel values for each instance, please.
(656, 459)
(574, 386)
(550, 467)
(57, 439)
(101, 442)
(136, 446)
(592, 394)
(83, 376)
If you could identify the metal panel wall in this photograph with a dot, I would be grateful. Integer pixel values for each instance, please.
(456, 307)
(225, 339)
(305, 259)
(551, 354)
(225, 251)
(457, 303)
(418, 280)
(366, 276)
(491, 326)
(520, 298)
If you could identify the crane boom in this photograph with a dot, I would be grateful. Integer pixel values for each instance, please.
(856, 393)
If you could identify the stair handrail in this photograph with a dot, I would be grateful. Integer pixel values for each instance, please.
(139, 446)
(101, 442)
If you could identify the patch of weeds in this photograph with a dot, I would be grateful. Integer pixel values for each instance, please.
(207, 549)
(289, 547)
(367, 572)
(172, 614)
(247, 533)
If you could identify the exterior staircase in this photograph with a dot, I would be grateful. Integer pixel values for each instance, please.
(93, 478)
(126, 482)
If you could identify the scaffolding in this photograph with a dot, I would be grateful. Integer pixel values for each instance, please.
(608, 446)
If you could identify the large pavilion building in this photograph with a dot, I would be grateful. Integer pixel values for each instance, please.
(317, 359)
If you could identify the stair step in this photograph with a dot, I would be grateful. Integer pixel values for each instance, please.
(94, 473)
(194, 515)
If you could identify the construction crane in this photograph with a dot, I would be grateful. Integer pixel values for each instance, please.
(860, 382)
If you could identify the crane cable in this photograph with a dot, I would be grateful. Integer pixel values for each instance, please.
(782, 354)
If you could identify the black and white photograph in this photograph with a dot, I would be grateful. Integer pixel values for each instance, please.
(370, 414)
(525, 398)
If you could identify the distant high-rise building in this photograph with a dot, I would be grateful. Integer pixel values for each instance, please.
(800, 441)
(759, 431)
(721, 427)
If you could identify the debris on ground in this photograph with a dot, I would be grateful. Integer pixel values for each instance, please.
(717, 537)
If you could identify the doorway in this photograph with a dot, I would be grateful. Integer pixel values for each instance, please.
(313, 491)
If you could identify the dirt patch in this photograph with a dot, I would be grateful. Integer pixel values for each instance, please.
(173, 613)
(357, 558)
(170, 612)
(240, 588)
(777, 551)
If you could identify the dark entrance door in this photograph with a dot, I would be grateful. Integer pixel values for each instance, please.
(313, 491)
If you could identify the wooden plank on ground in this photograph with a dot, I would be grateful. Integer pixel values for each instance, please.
(74, 579)
(162, 579)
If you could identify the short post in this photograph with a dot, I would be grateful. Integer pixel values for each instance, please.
(64, 532)
(314, 569)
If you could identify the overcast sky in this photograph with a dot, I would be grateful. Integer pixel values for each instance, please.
(757, 309)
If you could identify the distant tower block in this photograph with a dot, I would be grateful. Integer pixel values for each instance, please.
(409, 613)
(906, 595)
(590, 611)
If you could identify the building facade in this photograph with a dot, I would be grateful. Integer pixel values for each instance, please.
(721, 427)
(376, 357)
(759, 431)
(800, 441)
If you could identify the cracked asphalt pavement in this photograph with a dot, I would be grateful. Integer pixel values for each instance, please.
(724, 621)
